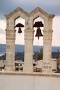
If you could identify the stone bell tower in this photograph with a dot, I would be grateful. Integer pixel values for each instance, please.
(28, 37)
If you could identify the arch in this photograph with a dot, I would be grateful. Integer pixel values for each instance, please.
(17, 12)
(41, 13)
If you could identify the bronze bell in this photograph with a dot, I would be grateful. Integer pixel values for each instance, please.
(19, 25)
(19, 30)
(38, 25)
(38, 33)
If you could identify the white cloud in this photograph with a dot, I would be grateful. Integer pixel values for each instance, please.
(2, 31)
(56, 31)
(2, 38)
(3, 24)
(19, 38)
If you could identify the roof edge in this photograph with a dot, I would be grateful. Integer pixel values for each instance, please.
(16, 10)
(38, 9)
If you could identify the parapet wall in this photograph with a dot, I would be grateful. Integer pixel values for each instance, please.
(20, 81)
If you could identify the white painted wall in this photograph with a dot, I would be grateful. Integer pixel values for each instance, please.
(29, 82)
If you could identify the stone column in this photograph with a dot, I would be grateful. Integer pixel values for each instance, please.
(28, 56)
(47, 46)
(10, 46)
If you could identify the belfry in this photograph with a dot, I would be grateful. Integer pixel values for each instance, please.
(28, 38)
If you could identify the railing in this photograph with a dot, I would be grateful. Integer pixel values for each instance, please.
(19, 66)
(37, 66)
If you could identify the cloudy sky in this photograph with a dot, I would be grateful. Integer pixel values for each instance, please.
(50, 6)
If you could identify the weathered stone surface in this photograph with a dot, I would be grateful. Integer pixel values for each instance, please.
(28, 37)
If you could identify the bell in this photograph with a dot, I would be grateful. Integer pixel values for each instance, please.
(19, 25)
(38, 24)
(38, 33)
(19, 30)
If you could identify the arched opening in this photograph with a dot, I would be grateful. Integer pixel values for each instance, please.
(38, 44)
(19, 44)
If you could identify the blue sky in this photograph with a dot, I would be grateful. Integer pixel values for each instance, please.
(50, 6)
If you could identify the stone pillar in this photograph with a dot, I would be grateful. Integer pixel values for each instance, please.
(47, 46)
(10, 46)
(28, 56)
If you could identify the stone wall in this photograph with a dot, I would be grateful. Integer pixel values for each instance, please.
(16, 81)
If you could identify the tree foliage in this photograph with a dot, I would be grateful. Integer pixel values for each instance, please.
(40, 54)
